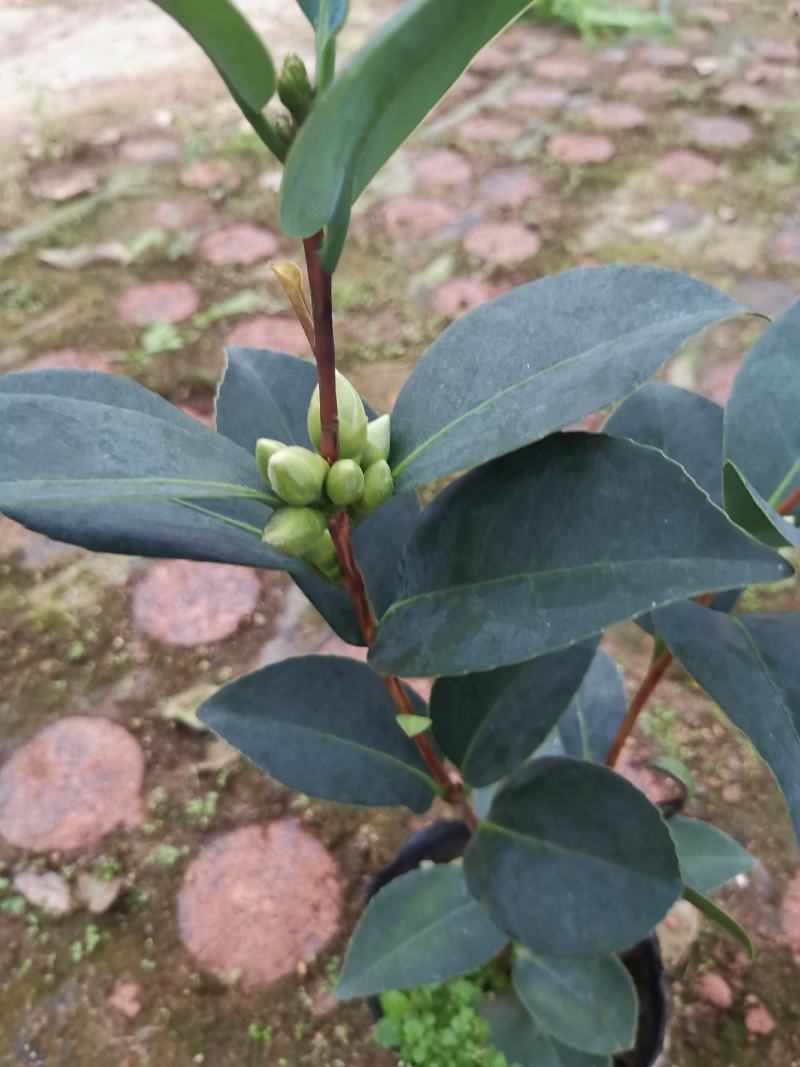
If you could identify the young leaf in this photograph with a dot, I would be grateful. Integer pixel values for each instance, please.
(548, 546)
(376, 102)
(266, 394)
(322, 725)
(721, 917)
(589, 1004)
(683, 425)
(572, 860)
(708, 857)
(762, 431)
(423, 927)
(337, 13)
(77, 438)
(518, 1036)
(590, 723)
(748, 664)
(489, 723)
(232, 45)
(560, 347)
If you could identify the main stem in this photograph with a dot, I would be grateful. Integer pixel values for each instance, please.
(325, 354)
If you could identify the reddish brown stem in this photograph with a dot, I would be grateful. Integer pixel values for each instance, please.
(325, 354)
(324, 348)
(643, 694)
(790, 504)
(655, 673)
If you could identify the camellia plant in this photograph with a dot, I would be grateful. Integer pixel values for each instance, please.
(500, 589)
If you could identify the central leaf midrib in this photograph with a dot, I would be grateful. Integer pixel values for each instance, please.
(537, 843)
(484, 405)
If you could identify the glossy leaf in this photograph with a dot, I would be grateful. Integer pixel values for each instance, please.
(683, 425)
(589, 1004)
(423, 927)
(523, 1042)
(539, 358)
(708, 857)
(135, 452)
(322, 725)
(572, 859)
(588, 727)
(749, 665)
(762, 431)
(376, 102)
(721, 918)
(488, 723)
(266, 394)
(232, 45)
(550, 545)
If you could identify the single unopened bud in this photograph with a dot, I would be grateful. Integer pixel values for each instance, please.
(297, 475)
(294, 88)
(378, 441)
(266, 448)
(352, 420)
(323, 556)
(294, 531)
(285, 130)
(378, 489)
(345, 483)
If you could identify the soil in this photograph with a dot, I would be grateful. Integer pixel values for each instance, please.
(683, 153)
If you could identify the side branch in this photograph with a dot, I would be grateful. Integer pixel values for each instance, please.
(324, 348)
(654, 675)
(790, 504)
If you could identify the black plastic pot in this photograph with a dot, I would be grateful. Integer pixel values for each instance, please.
(445, 841)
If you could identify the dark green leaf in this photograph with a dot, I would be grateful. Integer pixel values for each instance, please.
(550, 545)
(590, 724)
(748, 664)
(131, 448)
(762, 430)
(525, 1043)
(377, 101)
(489, 723)
(748, 509)
(266, 394)
(572, 859)
(683, 425)
(590, 1004)
(322, 725)
(721, 917)
(231, 43)
(337, 13)
(423, 927)
(708, 857)
(560, 348)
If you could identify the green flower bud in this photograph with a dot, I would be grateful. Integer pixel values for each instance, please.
(284, 130)
(294, 531)
(352, 419)
(294, 88)
(266, 448)
(378, 441)
(345, 483)
(378, 489)
(297, 475)
(323, 556)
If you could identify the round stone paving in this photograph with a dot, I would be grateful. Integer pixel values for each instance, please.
(685, 166)
(70, 785)
(581, 147)
(441, 168)
(502, 242)
(63, 181)
(168, 301)
(612, 115)
(458, 295)
(721, 131)
(258, 902)
(184, 603)
(240, 244)
(70, 359)
(276, 332)
(414, 216)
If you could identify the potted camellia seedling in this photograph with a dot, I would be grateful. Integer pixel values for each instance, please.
(515, 942)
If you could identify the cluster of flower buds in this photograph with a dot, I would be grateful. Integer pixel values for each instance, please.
(359, 482)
